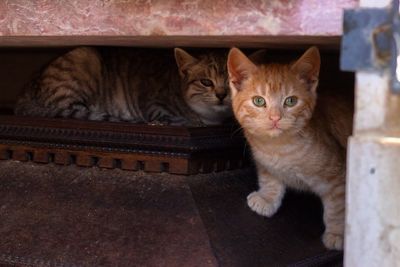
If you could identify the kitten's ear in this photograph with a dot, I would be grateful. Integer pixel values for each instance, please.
(183, 60)
(307, 67)
(240, 68)
(258, 56)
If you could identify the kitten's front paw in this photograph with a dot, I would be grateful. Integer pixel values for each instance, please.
(261, 205)
(333, 241)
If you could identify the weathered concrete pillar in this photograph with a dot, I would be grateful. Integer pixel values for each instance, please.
(373, 177)
(373, 172)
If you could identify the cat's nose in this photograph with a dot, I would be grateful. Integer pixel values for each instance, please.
(275, 118)
(221, 96)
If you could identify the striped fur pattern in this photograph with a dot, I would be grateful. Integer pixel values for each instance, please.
(134, 85)
(298, 143)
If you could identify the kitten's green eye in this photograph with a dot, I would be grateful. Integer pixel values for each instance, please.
(290, 101)
(206, 82)
(259, 101)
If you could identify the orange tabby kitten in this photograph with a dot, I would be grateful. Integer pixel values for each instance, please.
(296, 141)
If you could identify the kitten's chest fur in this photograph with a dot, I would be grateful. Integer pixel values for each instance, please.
(300, 162)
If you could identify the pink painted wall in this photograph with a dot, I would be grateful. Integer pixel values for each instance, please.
(172, 17)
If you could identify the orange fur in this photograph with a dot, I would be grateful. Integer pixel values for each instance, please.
(301, 146)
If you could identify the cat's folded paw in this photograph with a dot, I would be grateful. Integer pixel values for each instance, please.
(261, 205)
(157, 123)
(333, 241)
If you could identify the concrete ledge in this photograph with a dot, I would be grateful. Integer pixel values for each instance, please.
(279, 42)
(173, 18)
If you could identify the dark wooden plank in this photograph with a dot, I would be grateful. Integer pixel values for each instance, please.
(126, 136)
(120, 145)
(5, 153)
(106, 162)
(84, 160)
(20, 154)
(41, 156)
(122, 127)
(179, 166)
(277, 42)
(62, 157)
(152, 166)
(129, 164)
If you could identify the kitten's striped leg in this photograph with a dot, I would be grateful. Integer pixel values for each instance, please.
(268, 198)
(334, 212)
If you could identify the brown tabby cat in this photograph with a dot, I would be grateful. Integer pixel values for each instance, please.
(296, 141)
(136, 85)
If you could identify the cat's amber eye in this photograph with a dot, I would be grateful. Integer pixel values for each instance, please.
(259, 101)
(206, 82)
(290, 101)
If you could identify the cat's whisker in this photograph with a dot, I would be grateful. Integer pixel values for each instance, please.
(244, 150)
(240, 129)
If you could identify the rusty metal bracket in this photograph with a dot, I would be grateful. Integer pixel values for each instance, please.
(366, 43)
(371, 41)
(395, 62)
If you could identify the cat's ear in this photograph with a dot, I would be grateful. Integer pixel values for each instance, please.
(258, 56)
(240, 68)
(307, 67)
(183, 60)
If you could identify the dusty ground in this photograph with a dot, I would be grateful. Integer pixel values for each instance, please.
(66, 215)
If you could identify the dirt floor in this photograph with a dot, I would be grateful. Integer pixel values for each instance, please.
(70, 216)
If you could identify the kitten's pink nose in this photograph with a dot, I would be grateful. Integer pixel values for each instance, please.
(275, 118)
